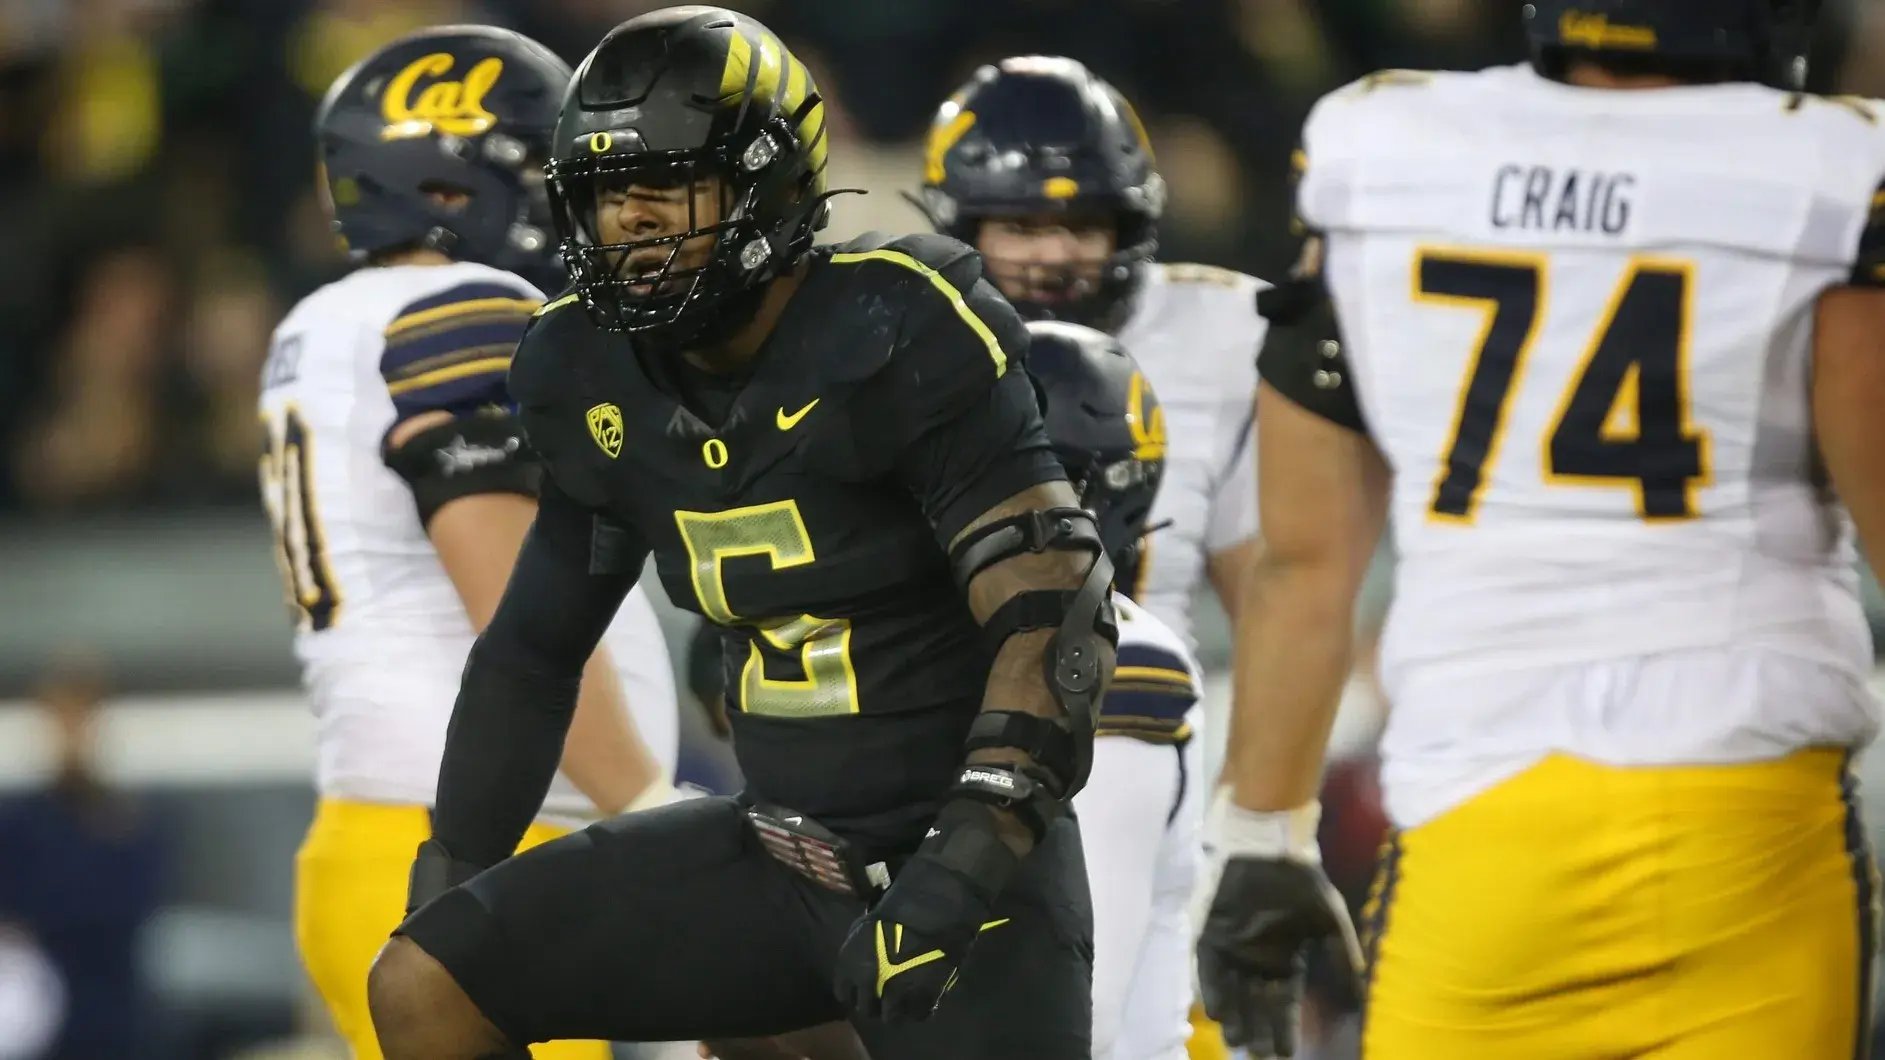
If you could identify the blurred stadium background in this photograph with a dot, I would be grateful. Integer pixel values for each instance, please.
(157, 215)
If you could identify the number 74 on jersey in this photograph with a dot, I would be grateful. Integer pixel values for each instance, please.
(1624, 420)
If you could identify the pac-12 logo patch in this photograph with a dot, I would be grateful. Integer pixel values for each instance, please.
(605, 426)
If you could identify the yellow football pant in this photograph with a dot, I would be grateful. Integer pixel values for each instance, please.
(1580, 911)
(350, 893)
(1207, 1038)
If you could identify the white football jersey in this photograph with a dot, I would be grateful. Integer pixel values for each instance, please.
(1195, 332)
(1578, 323)
(381, 633)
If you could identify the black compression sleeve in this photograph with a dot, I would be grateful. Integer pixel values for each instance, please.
(520, 684)
(1302, 353)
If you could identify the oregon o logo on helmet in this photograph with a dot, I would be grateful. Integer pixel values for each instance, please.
(455, 108)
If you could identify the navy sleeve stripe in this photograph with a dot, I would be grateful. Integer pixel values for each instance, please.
(508, 316)
(460, 395)
(488, 360)
(403, 360)
(452, 335)
(1152, 656)
(1145, 705)
(486, 291)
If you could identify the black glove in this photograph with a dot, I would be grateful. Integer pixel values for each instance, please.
(903, 955)
(1273, 905)
(435, 871)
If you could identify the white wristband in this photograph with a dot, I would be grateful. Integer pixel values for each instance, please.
(659, 793)
(1251, 833)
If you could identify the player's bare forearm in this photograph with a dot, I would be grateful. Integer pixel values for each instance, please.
(604, 755)
(1233, 574)
(1292, 656)
(1849, 407)
(1017, 681)
(1323, 498)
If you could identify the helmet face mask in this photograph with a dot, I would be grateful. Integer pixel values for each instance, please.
(1052, 264)
(652, 238)
(689, 173)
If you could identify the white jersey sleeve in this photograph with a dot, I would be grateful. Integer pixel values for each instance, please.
(380, 631)
(1578, 323)
(1195, 332)
(1156, 681)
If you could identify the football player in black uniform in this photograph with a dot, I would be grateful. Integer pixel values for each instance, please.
(833, 454)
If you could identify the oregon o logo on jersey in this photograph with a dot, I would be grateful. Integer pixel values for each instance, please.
(605, 426)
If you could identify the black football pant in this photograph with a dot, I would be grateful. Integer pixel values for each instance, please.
(675, 925)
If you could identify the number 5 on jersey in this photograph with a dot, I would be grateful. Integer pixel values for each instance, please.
(1623, 422)
(822, 646)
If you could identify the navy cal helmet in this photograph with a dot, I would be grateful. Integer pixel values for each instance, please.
(461, 110)
(1042, 136)
(1742, 40)
(1106, 429)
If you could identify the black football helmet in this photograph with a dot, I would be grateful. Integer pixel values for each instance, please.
(461, 108)
(1105, 427)
(667, 100)
(1752, 40)
(1043, 135)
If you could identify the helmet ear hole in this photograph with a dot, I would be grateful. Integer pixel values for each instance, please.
(446, 196)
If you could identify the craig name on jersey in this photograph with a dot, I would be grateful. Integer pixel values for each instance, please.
(847, 642)
(1579, 329)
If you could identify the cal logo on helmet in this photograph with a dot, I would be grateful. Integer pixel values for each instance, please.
(605, 426)
(1145, 419)
(453, 108)
(1597, 32)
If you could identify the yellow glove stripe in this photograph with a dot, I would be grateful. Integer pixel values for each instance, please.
(887, 968)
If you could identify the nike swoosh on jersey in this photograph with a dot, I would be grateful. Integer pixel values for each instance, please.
(786, 422)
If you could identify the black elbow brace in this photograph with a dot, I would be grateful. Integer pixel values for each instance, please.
(1061, 750)
(482, 453)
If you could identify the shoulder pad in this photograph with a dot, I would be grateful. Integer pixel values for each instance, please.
(933, 249)
(1190, 273)
(945, 335)
(549, 391)
(917, 291)
(1867, 111)
(538, 368)
(1381, 79)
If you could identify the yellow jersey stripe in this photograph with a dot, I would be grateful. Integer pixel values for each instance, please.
(501, 318)
(445, 360)
(1157, 674)
(558, 304)
(446, 375)
(459, 309)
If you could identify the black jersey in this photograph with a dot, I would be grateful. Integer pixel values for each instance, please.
(806, 509)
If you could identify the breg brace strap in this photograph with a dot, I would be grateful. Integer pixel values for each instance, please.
(1080, 619)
